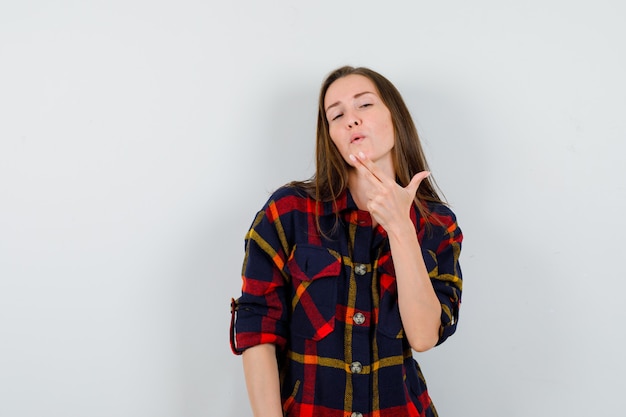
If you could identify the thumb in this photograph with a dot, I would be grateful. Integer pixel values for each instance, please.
(416, 181)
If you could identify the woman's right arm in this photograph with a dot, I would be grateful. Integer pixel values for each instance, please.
(260, 321)
(261, 372)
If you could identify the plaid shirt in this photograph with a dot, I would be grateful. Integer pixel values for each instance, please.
(329, 304)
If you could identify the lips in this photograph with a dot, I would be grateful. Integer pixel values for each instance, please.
(356, 137)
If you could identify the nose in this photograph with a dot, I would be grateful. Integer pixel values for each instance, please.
(353, 123)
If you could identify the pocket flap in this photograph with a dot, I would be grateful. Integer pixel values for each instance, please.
(309, 262)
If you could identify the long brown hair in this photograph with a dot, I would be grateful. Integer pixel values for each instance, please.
(331, 175)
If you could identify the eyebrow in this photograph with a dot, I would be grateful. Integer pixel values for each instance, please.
(355, 96)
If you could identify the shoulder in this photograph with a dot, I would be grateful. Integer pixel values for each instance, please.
(440, 214)
(288, 198)
(441, 225)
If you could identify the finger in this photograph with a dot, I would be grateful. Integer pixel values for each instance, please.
(373, 168)
(416, 181)
(365, 170)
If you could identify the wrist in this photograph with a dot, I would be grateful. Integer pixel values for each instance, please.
(402, 230)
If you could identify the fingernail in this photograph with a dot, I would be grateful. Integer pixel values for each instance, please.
(361, 155)
(352, 157)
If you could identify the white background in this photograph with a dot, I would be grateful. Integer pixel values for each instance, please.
(138, 139)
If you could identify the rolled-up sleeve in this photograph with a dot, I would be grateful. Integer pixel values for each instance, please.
(260, 314)
(446, 276)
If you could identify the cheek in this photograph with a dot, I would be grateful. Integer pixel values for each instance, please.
(337, 143)
(387, 122)
(342, 148)
(389, 131)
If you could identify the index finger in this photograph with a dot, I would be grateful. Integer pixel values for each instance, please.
(368, 166)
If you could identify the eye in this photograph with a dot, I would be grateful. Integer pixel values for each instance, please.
(365, 105)
(337, 116)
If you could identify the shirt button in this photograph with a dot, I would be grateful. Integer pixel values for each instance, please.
(358, 318)
(356, 414)
(360, 269)
(356, 367)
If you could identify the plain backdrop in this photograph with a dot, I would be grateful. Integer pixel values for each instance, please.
(138, 139)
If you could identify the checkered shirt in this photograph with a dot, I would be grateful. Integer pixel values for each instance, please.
(329, 303)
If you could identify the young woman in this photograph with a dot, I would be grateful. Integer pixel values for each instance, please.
(349, 272)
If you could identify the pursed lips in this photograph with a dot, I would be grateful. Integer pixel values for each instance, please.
(356, 137)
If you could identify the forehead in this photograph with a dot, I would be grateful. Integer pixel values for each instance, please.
(345, 88)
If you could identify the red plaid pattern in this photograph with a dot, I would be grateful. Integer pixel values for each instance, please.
(329, 303)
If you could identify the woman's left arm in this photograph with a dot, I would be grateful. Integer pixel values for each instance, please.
(390, 205)
(420, 308)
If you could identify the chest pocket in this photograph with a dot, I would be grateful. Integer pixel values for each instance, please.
(314, 272)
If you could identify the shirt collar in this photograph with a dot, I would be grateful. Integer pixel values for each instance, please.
(344, 202)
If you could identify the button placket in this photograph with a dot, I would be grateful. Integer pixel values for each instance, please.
(361, 276)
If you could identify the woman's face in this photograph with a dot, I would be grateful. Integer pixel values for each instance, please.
(358, 120)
